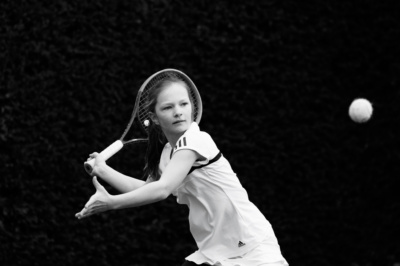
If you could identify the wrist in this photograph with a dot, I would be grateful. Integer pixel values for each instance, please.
(101, 169)
(113, 203)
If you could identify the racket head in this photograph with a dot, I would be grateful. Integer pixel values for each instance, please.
(142, 113)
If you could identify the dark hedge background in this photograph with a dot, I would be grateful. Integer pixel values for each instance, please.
(276, 78)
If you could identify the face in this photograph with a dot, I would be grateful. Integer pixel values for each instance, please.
(173, 110)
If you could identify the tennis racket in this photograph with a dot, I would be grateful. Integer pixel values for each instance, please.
(140, 119)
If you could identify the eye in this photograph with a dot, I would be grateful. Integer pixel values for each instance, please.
(184, 103)
(166, 107)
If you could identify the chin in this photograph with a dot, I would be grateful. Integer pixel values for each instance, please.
(182, 127)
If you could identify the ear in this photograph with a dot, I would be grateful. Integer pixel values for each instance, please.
(154, 118)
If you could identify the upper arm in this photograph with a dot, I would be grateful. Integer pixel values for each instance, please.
(177, 169)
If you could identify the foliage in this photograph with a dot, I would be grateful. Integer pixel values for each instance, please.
(276, 78)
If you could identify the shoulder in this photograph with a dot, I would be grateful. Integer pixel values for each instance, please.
(197, 141)
(193, 137)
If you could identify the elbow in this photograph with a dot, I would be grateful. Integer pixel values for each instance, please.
(164, 193)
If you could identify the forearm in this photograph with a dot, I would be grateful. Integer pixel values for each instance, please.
(171, 179)
(119, 181)
(150, 193)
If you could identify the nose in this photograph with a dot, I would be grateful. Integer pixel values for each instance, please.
(178, 112)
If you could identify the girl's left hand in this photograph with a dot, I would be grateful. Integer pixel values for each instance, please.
(99, 202)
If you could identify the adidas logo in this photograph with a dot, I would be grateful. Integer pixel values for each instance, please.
(241, 244)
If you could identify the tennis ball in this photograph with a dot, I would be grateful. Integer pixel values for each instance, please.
(360, 110)
(146, 122)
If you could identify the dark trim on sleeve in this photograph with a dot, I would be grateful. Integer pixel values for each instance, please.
(216, 158)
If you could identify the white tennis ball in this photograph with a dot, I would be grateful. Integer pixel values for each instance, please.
(146, 122)
(360, 110)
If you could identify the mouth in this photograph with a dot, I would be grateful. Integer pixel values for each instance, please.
(178, 122)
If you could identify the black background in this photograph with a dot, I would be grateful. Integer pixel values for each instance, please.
(276, 79)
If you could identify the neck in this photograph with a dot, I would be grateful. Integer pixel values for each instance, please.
(173, 139)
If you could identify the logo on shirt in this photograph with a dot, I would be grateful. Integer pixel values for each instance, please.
(181, 143)
(241, 244)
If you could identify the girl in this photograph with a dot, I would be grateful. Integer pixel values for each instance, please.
(184, 161)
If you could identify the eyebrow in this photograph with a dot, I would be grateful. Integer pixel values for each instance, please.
(171, 102)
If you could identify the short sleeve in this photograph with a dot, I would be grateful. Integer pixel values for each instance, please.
(198, 141)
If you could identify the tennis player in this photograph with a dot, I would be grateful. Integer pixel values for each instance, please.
(184, 161)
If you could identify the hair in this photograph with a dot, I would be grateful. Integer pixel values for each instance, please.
(157, 139)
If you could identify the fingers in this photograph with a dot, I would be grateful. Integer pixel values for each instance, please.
(93, 156)
(82, 214)
(85, 212)
(92, 208)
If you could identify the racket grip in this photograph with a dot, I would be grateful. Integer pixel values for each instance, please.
(106, 153)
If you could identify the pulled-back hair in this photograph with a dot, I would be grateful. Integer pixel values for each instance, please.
(157, 139)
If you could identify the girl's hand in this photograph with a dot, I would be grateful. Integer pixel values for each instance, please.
(99, 162)
(99, 202)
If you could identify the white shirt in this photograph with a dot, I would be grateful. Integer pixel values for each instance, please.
(223, 222)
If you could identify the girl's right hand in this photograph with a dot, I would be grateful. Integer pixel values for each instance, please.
(99, 162)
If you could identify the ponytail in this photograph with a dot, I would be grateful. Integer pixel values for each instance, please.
(155, 147)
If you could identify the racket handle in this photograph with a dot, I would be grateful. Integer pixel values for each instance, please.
(106, 153)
